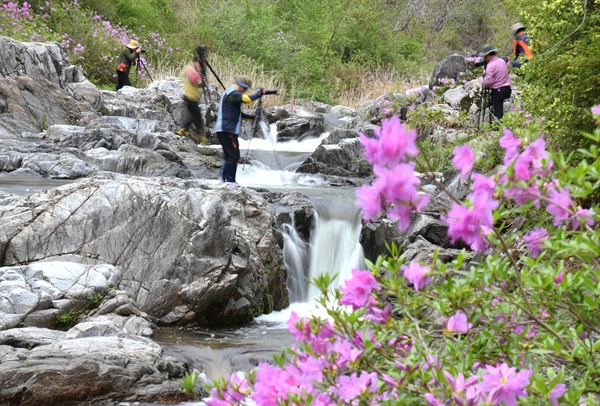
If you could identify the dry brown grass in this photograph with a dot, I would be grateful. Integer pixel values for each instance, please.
(375, 83)
(368, 85)
(226, 69)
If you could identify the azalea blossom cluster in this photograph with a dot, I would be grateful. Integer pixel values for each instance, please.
(395, 184)
(443, 84)
(525, 177)
(489, 334)
(90, 40)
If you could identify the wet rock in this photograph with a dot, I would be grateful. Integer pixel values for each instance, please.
(167, 242)
(40, 366)
(296, 126)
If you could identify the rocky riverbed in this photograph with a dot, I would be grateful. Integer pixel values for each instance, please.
(134, 231)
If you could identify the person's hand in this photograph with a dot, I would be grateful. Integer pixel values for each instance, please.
(260, 91)
(480, 79)
(138, 50)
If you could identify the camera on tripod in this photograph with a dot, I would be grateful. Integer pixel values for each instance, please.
(142, 50)
(201, 52)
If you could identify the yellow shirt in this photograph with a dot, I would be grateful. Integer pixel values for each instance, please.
(192, 82)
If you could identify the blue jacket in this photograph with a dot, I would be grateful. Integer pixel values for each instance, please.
(229, 117)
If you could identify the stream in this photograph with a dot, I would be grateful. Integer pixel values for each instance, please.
(334, 247)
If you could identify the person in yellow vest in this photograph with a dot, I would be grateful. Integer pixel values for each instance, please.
(193, 83)
(521, 46)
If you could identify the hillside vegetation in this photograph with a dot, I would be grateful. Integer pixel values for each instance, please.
(336, 51)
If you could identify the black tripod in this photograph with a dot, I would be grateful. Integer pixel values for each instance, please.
(485, 104)
(139, 65)
(255, 125)
(204, 61)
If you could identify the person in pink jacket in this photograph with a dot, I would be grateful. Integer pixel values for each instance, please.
(496, 78)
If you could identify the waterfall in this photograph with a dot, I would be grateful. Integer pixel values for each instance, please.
(296, 259)
(334, 248)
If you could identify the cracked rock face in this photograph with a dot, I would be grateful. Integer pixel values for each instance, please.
(186, 252)
(45, 367)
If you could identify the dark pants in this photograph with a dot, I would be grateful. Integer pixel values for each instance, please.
(195, 116)
(498, 97)
(123, 80)
(231, 150)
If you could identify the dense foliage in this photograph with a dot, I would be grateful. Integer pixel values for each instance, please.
(320, 49)
(89, 39)
(516, 325)
(562, 79)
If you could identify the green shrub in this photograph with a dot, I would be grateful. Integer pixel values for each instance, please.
(96, 299)
(562, 78)
(188, 382)
(67, 319)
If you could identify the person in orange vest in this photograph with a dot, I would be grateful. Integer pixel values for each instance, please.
(522, 52)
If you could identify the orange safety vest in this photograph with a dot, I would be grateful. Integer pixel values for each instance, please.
(523, 44)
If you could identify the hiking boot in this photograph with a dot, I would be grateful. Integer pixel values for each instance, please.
(183, 132)
(198, 138)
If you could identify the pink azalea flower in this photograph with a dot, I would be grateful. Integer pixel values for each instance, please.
(596, 110)
(351, 387)
(534, 240)
(559, 389)
(459, 384)
(392, 145)
(433, 400)
(586, 216)
(299, 327)
(522, 196)
(369, 199)
(504, 384)
(559, 278)
(470, 223)
(310, 369)
(396, 186)
(483, 187)
(358, 288)
(464, 158)
(347, 352)
(458, 323)
(560, 202)
(270, 386)
(510, 144)
(417, 274)
(376, 314)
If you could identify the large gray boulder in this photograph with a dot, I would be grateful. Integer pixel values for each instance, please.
(139, 147)
(340, 154)
(301, 124)
(187, 252)
(449, 67)
(33, 104)
(35, 294)
(37, 60)
(46, 367)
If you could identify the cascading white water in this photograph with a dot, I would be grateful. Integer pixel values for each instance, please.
(296, 258)
(334, 249)
(335, 246)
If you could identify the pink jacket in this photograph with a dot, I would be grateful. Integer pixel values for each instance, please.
(496, 74)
